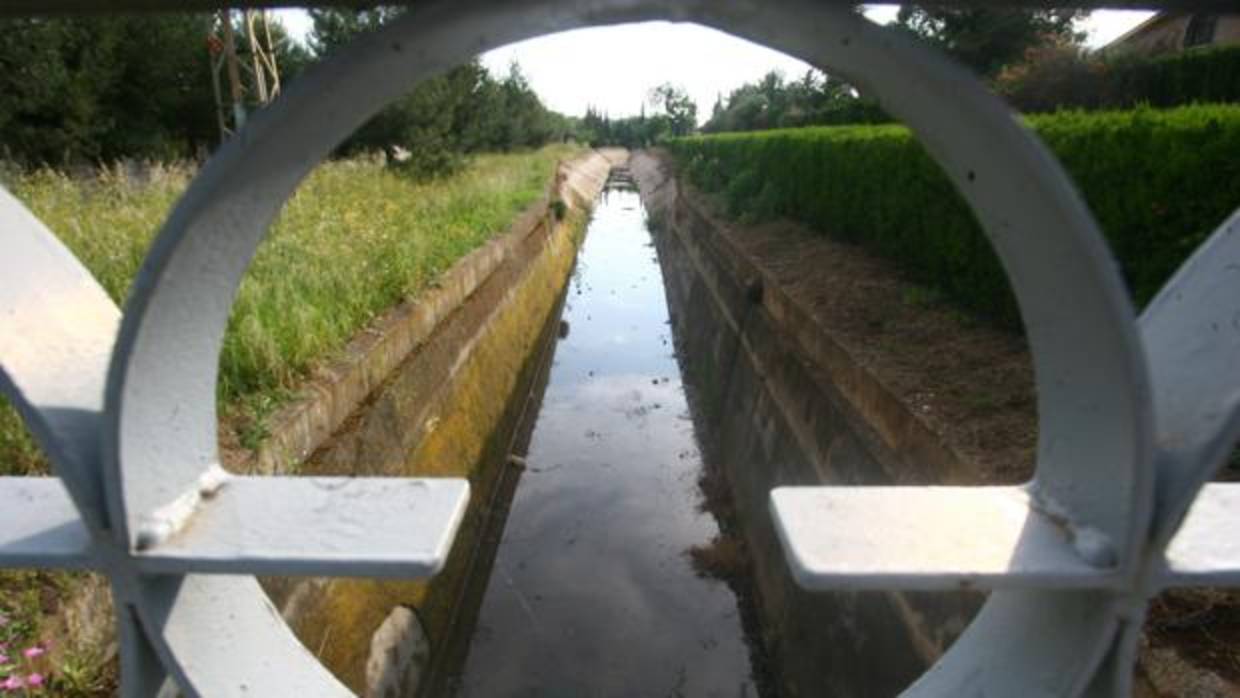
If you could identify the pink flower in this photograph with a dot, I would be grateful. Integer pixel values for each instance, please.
(12, 683)
(35, 679)
(32, 652)
(4, 658)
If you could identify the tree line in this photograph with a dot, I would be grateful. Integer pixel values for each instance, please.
(96, 89)
(987, 40)
(443, 119)
(79, 89)
(674, 114)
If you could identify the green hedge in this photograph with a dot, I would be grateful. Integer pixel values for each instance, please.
(1057, 77)
(857, 111)
(1159, 182)
(1208, 74)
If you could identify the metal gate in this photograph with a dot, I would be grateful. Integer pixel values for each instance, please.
(1136, 413)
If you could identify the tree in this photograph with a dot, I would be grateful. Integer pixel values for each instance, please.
(677, 106)
(101, 88)
(290, 55)
(987, 39)
(74, 89)
(332, 28)
(462, 111)
(773, 102)
(160, 103)
(49, 69)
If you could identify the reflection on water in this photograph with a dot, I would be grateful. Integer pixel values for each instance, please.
(593, 592)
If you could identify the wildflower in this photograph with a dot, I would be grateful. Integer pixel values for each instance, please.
(13, 683)
(34, 651)
(35, 679)
(4, 659)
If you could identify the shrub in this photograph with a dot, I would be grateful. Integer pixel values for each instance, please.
(1207, 74)
(1052, 77)
(856, 111)
(1055, 77)
(1159, 182)
(355, 240)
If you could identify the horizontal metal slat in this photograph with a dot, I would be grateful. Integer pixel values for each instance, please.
(39, 526)
(928, 538)
(320, 526)
(1206, 549)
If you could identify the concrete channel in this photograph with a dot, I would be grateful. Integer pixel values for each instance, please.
(636, 555)
(599, 585)
(623, 376)
(623, 384)
(622, 399)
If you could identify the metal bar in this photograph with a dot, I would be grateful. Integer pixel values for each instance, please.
(48, 533)
(1068, 553)
(337, 526)
(934, 538)
(1206, 549)
(57, 325)
(222, 638)
(1058, 630)
(1191, 331)
(1089, 366)
(142, 671)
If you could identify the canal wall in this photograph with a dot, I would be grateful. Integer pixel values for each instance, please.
(410, 399)
(371, 358)
(818, 363)
(781, 402)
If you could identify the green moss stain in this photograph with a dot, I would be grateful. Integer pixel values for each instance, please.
(469, 438)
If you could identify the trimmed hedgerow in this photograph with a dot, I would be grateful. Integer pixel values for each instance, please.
(1207, 74)
(1159, 182)
(1059, 77)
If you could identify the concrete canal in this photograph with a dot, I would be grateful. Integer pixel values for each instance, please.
(622, 396)
(594, 589)
(632, 552)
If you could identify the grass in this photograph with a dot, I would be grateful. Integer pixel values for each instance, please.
(108, 219)
(356, 239)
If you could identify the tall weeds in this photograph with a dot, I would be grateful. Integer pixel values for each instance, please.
(354, 240)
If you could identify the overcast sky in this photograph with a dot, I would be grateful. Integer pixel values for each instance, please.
(612, 68)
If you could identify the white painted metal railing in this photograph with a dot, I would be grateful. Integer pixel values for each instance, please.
(1136, 413)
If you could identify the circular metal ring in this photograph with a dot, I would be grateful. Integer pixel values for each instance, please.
(160, 400)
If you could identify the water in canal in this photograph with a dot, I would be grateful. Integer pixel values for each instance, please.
(593, 591)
